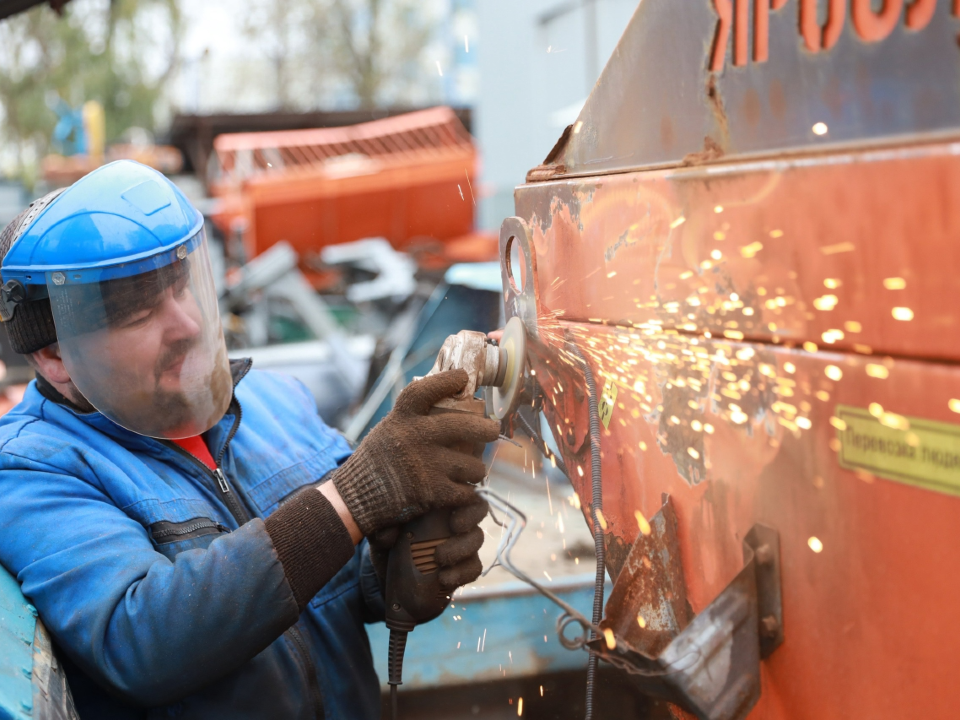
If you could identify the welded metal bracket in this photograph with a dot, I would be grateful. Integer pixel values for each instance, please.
(518, 260)
(708, 665)
(712, 667)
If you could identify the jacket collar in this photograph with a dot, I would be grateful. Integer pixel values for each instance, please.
(53, 395)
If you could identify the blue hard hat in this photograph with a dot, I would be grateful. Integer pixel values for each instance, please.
(105, 225)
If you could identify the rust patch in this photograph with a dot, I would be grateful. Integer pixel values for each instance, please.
(650, 586)
(543, 173)
(550, 168)
(715, 102)
(711, 151)
(559, 146)
(564, 203)
(676, 437)
(633, 234)
(615, 556)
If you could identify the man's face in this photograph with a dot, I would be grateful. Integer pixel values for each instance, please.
(157, 363)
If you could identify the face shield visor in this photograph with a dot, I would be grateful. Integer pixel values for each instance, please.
(143, 341)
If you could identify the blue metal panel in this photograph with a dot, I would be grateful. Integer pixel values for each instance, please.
(18, 621)
(505, 631)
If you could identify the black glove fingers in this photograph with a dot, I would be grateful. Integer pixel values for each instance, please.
(455, 428)
(459, 547)
(465, 518)
(378, 558)
(421, 395)
(460, 467)
(407, 464)
(460, 574)
(385, 538)
(450, 494)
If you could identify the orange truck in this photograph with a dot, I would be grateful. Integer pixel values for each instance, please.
(409, 178)
(751, 235)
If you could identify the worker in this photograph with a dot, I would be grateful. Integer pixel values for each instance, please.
(189, 530)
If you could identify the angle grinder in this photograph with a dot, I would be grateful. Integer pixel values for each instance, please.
(413, 592)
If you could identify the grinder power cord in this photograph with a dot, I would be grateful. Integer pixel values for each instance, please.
(418, 586)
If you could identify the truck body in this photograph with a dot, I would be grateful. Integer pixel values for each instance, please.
(751, 234)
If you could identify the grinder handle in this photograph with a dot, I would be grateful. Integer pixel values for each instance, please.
(414, 595)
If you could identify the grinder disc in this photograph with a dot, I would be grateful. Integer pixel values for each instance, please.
(514, 344)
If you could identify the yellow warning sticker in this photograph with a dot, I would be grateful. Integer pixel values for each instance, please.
(608, 399)
(911, 450)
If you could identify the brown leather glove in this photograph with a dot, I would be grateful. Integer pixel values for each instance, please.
(407, 464)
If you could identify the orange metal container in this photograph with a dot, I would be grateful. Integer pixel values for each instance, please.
(761, 268)
(407, 178)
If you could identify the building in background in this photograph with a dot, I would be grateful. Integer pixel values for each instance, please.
(13, 198)
(540, 59)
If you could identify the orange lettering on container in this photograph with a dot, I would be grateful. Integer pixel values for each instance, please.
(740, 32)
(870, 25)
(920, 13)
(724, 10)
(761, 27)
(817, 38)
(735, 15)
(874, 26)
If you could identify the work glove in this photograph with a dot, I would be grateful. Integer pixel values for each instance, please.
(458, 556)
(408, 463)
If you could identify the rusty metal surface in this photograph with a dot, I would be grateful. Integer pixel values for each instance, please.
(822, 249)
(521, 293)
(876, 598)
(745, 431)
(712, 667)
(648, 605)
(751, 235)
(700, 81)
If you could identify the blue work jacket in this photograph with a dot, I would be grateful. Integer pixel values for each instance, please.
(164, 599)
